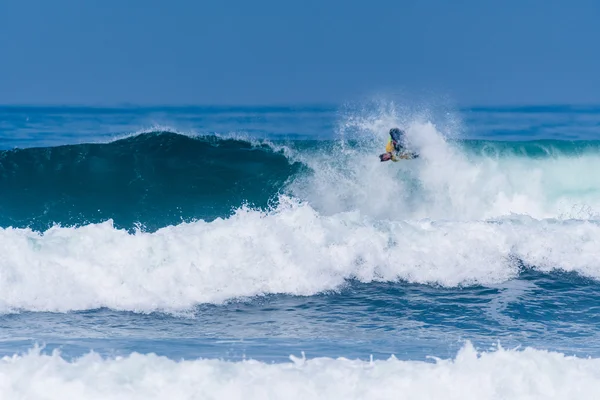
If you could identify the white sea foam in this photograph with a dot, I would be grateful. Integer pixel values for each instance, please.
(446, 182)
(501, 374)
(446, 218)
(292, 249)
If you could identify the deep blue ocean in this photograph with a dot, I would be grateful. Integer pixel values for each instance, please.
(265, 252)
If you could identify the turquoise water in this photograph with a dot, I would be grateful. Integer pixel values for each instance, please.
(239, 233)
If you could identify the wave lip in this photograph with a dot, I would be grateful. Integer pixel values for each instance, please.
(471, 374)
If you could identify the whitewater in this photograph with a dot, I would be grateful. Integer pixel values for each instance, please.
(501, 374)
(253, 253)
(176, 260)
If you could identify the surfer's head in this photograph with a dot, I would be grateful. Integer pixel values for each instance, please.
(385, 157)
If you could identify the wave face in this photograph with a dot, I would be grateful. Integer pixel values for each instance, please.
(159, 179)
(499, 374)
(153, 179)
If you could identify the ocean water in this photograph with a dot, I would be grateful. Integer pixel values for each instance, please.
(231, 252)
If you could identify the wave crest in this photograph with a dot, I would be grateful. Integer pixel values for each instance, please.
(155, 179)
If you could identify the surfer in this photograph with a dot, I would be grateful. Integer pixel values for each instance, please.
(395, 150)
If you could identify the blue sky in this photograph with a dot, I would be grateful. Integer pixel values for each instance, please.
(273, 52)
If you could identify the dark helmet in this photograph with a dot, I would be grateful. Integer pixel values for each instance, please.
(396, 134)
(385, 157)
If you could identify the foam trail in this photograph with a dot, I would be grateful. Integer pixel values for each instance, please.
(255, 253)
(502, 374)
